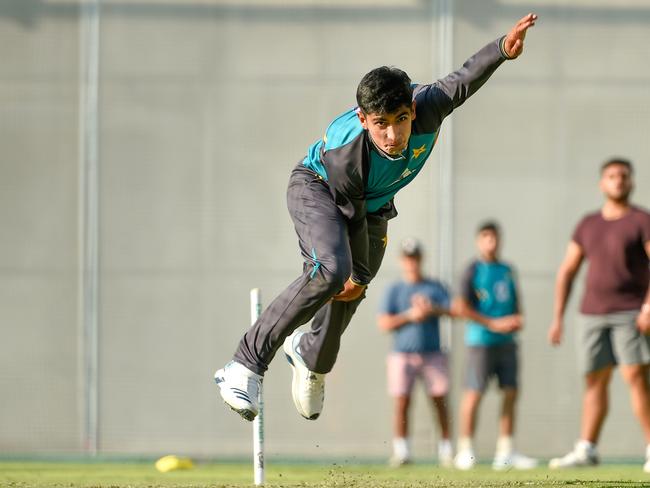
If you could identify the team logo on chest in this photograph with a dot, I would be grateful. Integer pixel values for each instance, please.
(418, 150)
(501, 291)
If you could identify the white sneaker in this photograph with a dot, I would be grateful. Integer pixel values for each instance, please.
(307, 387)
(465, 459)
(581, 456)
(512, 459)
(445, 454)
(239, 388)
(646, 466)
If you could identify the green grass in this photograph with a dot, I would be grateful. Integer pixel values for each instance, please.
(231, 475)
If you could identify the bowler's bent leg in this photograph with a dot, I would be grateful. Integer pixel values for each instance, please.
(323, 238)
(319, 348)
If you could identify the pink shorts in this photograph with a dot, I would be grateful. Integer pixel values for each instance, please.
(405, 367)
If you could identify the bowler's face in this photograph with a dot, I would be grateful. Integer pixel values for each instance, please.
(390, 132)
(616, 182)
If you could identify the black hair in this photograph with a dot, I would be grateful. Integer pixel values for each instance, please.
(619, 161)
(490, 226)
(384, 90)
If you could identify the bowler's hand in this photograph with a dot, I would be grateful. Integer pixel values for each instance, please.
(351, 291)
(643, 320)
(513, 44)
(555, 332)
(507, 324)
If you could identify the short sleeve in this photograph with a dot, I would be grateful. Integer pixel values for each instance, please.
(388, 305)
(645, 227)
(441, 297)
(466, 286)
(578, 233)
(514, 277)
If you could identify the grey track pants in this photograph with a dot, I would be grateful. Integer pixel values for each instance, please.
(324, 244)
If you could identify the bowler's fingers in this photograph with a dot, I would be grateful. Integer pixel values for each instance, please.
(524, 24)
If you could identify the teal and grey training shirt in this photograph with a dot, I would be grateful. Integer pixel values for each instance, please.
(361, 180)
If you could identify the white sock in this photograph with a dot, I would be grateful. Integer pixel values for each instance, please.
(588, 446)
(504, 445)
(444, 448)
(465, 444)
(401, 447)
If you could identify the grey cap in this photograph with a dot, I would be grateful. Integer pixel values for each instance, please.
(411, 247)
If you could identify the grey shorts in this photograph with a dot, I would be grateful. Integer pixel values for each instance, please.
(483, 362)
(611, 339)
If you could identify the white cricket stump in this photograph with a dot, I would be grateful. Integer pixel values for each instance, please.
(258, 422)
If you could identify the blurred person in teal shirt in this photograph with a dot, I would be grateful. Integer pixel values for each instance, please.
(489, 300)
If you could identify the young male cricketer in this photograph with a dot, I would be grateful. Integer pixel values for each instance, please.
(615, 309)
(491, 302)
(340, 197)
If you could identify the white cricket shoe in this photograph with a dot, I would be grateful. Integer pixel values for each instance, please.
(465, 459)
(646, 466)
(239, 388)
(581, 456)
(512, 459)
(307, 387)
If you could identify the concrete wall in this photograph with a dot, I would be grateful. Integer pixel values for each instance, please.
(204, 109)
(38, 217)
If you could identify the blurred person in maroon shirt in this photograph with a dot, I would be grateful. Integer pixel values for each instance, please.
(615, 309)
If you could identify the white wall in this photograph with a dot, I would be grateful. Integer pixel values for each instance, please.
(204, 109)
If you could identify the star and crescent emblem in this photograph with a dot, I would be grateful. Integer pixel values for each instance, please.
(419, 150)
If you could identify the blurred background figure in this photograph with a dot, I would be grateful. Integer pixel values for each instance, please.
(490, 300)
(410, 312)
(615, 308)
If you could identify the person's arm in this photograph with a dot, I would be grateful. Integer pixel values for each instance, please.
(464, 306)
(436, 101)
(359, 248)
(345, 168)
(415, 314)
(442, 305)
(503, 325)
(563, 282)
(643, 319)
(389, 317)
(421, 309)
(388, 321)
(519, 307)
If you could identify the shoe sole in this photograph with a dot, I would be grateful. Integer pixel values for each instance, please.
(512, 466)
(245, 413)
(294, 385)
(552, 465)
